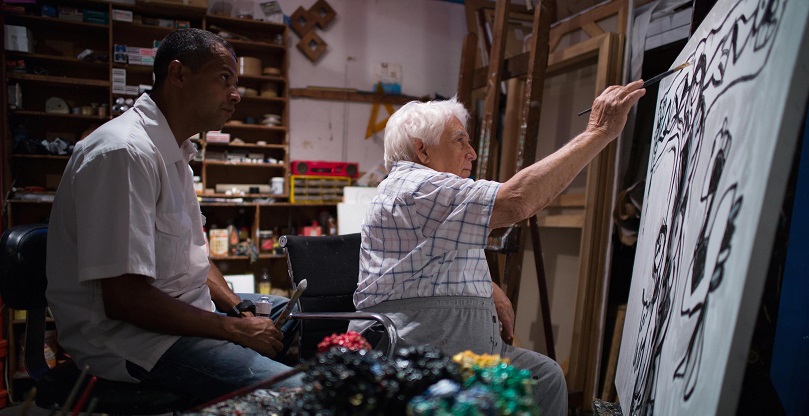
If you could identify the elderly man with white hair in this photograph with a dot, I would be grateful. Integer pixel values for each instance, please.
(422, 261)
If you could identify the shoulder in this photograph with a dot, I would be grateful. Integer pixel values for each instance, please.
(124, 133)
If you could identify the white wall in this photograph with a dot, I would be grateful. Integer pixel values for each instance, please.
(424, 36)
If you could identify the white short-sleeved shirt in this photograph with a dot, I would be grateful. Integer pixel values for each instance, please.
(126, 204)
(424, 236)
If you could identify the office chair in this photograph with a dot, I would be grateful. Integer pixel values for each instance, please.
(330, 266)
(22, 286)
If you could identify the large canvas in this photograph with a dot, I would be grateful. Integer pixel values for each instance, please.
(722, 149)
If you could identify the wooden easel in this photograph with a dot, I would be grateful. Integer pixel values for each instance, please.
(588, 211)
(511, 240)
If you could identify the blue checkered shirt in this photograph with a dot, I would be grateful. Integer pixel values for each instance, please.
(424, 236)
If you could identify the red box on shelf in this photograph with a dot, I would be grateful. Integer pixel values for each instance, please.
(325, 168)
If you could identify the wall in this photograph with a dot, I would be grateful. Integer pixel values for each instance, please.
(424, 36)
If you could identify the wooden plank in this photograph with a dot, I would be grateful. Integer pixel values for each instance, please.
(517, 66)
(487, 139)
(588, 329)
(468, 56)
(593, 29)
(567, 201)
(608, 392)
(561, 220)
(530, 113)
(591, 15)
(511, 128)
(357, 97)
(585, 294)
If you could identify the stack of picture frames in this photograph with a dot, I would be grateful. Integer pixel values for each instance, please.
(303, 23)
(584, 55)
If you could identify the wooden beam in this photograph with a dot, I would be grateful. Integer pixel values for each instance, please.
(517, 66)
(468, 56)
(353, 96)
(487, 140)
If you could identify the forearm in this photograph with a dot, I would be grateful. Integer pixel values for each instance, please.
(131, 299)
(222, 296)
(534, 187)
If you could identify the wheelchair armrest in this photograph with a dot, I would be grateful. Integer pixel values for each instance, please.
(387, 324)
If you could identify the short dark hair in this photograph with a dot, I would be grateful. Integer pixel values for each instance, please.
(192, 47)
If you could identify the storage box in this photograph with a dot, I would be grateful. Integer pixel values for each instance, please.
(122, 15)
(317, 189)
(18, 38)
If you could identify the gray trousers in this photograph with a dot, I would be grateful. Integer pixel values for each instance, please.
(456, 324)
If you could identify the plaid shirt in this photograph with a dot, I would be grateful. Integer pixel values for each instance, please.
(424, 236)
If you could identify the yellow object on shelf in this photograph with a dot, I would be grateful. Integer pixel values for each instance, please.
(304, 189)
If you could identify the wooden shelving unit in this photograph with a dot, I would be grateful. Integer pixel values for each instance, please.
(52, 69)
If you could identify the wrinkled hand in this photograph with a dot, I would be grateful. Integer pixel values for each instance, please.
(258, 334)
(610, 109)
(505, 312)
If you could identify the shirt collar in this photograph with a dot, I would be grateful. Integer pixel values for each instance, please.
(157, 127)
(407, 165)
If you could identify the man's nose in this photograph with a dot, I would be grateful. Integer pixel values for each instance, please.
(472, 153)
(235, 97)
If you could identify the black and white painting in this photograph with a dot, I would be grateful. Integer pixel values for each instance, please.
(722, 148)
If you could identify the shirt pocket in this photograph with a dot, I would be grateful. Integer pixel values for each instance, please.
(172, 244)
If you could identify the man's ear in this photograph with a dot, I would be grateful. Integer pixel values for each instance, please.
(176, 73)
(421, 151)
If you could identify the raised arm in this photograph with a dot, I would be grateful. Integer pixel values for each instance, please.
(534, 187)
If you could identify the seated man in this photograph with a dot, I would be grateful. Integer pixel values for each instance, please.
(129, 281)
(422, 261)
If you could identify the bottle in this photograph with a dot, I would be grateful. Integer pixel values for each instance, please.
(264, 307)
(264, 285)
(233, 239)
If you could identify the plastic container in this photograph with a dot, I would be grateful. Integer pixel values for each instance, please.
(264, 307)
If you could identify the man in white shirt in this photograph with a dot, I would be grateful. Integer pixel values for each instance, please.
(129, 282)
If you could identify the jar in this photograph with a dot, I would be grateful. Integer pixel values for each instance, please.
(266, 241)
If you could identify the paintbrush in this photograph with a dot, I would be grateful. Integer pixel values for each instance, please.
(653, 80)
(292, 301)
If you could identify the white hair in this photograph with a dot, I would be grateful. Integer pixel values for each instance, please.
(418, 120)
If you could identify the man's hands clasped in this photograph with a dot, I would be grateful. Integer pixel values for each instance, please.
(258, 334)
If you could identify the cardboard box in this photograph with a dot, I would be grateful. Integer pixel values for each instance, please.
(122, 15)
(18, 38)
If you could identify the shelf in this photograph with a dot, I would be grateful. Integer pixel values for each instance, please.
(259, 99)
(47, 79)
(246, 24)
(257, 46)
(245, 164)
(215, 195)
(28, 156)
(248, 145)
(164, 9)
(257, 127)
(353, 96)
(264, 78)
(57, 115)
(161, 31)
(50, 21)
(64, 60)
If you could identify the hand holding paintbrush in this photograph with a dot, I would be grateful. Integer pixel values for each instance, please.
(651, 81)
